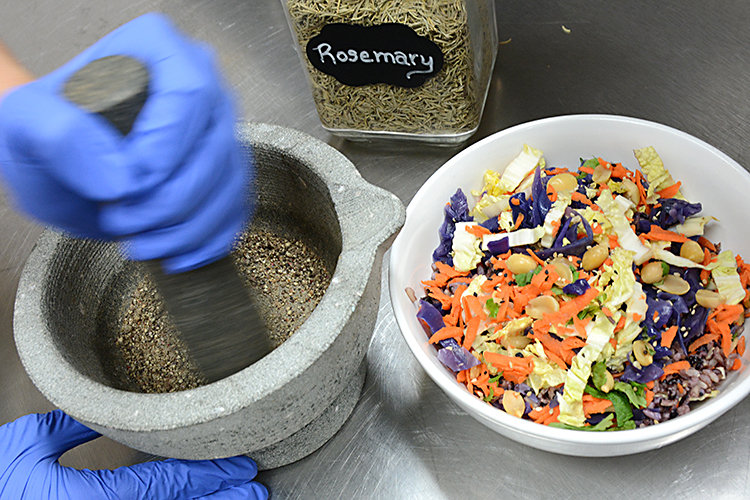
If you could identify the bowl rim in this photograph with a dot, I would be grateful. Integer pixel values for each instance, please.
(682, 425)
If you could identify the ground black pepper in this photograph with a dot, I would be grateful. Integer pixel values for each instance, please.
(285, 275)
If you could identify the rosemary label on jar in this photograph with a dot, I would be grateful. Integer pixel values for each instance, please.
(388, 53)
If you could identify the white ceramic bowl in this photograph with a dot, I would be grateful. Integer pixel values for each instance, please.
(708, 176)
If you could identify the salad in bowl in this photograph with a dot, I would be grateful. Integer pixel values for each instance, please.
(573, 284)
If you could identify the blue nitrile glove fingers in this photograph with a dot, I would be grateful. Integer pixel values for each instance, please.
(31, 446)
(207, 218)
(173, 189)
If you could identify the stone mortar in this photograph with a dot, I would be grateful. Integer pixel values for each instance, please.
(278, 410)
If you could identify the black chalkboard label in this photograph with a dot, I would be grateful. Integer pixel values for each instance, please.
(386, 53)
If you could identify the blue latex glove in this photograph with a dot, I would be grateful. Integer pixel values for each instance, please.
(175, 188)
(29, 470)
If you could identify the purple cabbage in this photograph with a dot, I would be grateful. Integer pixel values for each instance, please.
(493, 224)
(457, 210)
(521, 206)
(456, 357)
(644, 375)
(661, 352)
(541, 203)
(430, 316)
(664, 308)
(578, 287)
(671, 211)
(642, 223)
(450, 353)
(498, 247)
(694, 324)
(569, 230)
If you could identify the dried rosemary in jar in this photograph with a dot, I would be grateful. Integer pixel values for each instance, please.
(403, 69)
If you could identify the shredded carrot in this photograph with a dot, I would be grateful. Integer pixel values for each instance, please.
(620, 324)
(641, 190)
(437, 294)
(744, 271)
(564, 331)
(572, 342)
(736, 365)
(552, 347)
(670, 191)
(540, 413)
(472, 328)
(567, 310)
(552, 418)
(475, 305)
(614, 242)
(621, 172)
(545, 279)
(705, 243)
(447, 332)
(514, 369)
(719, 322)
(537, 259)
(676, 367)
(453, 317)
(649, 396)
(567, 348)
(580, 326)
(593, 405)
(449, 271)
(576, 196)
(726, 313)
(477, 230)
(659, 234)
(668, 336)
(498, 264)
(519, 220)
(741, 346)
(586, 170)
(551, 193)
(440, 280)
(493, 282)
(704, 339)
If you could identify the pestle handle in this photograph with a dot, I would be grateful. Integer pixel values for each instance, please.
(115, 87)
(212, 309)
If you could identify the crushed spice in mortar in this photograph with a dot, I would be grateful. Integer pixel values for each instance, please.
(286, 277)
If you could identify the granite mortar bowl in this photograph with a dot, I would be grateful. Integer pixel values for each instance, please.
(281, 408)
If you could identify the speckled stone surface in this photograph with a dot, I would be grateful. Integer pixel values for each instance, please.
(278, 410)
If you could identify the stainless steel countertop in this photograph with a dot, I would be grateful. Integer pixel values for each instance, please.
(682, 63)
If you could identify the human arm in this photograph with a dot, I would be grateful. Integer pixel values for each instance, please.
(12, 73)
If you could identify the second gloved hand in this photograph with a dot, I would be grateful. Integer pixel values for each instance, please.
(31, 446)
(175, 188)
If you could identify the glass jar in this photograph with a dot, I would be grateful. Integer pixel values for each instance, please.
(397, 69)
